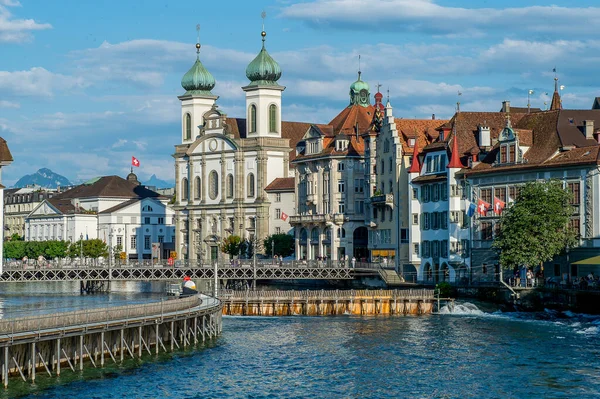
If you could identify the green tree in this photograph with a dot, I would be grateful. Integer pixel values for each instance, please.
(14, 249)
(283, 243)
(56, 249)
(89, 248)
(231, 245)
(536, 227)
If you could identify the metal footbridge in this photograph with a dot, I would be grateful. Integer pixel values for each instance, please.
(152, 271)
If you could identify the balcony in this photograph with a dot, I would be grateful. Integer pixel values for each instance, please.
(383, 199)
(311, 199)
(317, 219)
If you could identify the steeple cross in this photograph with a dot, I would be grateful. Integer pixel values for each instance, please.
(378, 86)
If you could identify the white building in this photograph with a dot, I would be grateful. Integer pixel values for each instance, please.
(223, 165)
(282, 197)
(18, 203)
(118, 211)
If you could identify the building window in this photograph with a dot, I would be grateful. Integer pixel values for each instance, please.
(120, 241)
(277, 230)
(278, 197)
(273, 118)
(503, 153)
(340, 167)
(436, 192)
(415, 193)
(359, 185)
(426, 221)
(500, 193)
(444, 221)
(444, 249)
(359, 207)
(277, 213)
(511, 153)
(252, 118)
(161, 220)
(213, 183)
(146, 242)
(415, 218)
(444, 191)
(416, 249)
(230, 186)
(341, 207)
(574, 190)
(341, 186)
(161, 239)
(425, 249)
(425, 193)
(184, 189)
(250, 185)
(188, 126)
(146, 220)
(574, 224)
(486, 230)
(404, 236)
(133, 242)
(198, 190)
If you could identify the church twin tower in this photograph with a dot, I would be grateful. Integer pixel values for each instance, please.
(263, 97)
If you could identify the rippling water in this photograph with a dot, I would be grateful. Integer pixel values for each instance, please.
(466, 354)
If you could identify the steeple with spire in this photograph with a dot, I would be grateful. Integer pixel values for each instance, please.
(556, 100)
(197, 99)
(359, 91)
(263, 94)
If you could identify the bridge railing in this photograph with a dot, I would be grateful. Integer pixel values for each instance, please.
(66, 320)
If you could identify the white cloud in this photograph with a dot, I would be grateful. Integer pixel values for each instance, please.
(428, 17)
(119, 143)
(17, 30)
(37, 82)
(9, 104)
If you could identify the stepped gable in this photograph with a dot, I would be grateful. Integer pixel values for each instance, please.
(108, 186)
(293, 131)
(281, 184)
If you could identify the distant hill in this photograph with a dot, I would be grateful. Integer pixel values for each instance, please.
(44, 178)
(158, 183)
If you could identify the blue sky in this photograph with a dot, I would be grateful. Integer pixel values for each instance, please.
(85, 85)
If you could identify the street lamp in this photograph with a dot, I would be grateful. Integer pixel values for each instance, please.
(81, 248)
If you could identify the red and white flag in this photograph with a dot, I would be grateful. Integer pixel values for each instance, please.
(482, 207)
(498, 206)
(135, 162)
(284, 216)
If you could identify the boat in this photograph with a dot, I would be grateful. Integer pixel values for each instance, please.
(188, 287)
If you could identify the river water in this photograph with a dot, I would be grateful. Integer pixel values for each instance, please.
(468, 353)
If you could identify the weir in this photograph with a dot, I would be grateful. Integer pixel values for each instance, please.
(91, 337)
(327, 302)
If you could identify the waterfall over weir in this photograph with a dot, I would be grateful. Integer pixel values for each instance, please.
(466, 308)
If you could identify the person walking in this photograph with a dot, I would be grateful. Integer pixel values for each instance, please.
(353, 262)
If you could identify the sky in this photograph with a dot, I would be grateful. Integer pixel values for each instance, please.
(85, 85)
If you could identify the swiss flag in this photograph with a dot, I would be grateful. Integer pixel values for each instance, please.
(135, 162)
(498, 206)
(482, 207)
(284, 216)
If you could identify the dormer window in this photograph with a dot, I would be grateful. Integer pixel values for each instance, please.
(508, 153)
(442, 135)
(341, 145)
(411, 142)
(314, 147)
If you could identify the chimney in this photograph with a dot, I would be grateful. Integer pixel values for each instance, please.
(484, 135)
(506, 106)
(588, 127)
(433, 117)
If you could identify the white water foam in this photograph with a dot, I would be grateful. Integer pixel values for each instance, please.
(463, 309)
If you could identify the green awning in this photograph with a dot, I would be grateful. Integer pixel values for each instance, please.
(594, 260)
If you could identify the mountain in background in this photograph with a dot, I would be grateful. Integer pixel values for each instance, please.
(44, 178)
(158, 183)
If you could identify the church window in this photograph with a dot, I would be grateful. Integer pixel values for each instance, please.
(184, 189)
(252, 118)
(213, 182)
(198, 188)
(229, 186)
(250, 185)
(273, 118)
(188, 126)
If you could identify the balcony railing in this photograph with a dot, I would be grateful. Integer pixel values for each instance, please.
(383, 199)
(319, 218)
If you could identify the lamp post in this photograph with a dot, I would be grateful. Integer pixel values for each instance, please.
(254, 263)
(81, 247)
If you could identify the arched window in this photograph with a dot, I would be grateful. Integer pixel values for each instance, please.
(250, 185)
(303, 235)
(314, 235)
(188, 126)
(213, 184)
(198, 190)
(184, 189)
(229, 186)
(272, 118)
(252, 118)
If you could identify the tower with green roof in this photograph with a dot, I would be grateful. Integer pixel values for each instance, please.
(197, 99)
(359, 93)
(263, 95)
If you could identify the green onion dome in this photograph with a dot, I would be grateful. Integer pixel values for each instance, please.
(198, 80)
(263, 70)
(359, 85)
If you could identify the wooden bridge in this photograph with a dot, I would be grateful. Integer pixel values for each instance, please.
(327, 302)
(148, 271)
(89, 337)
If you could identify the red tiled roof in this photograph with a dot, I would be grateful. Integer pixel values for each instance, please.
(282, 184)
(345, 121)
